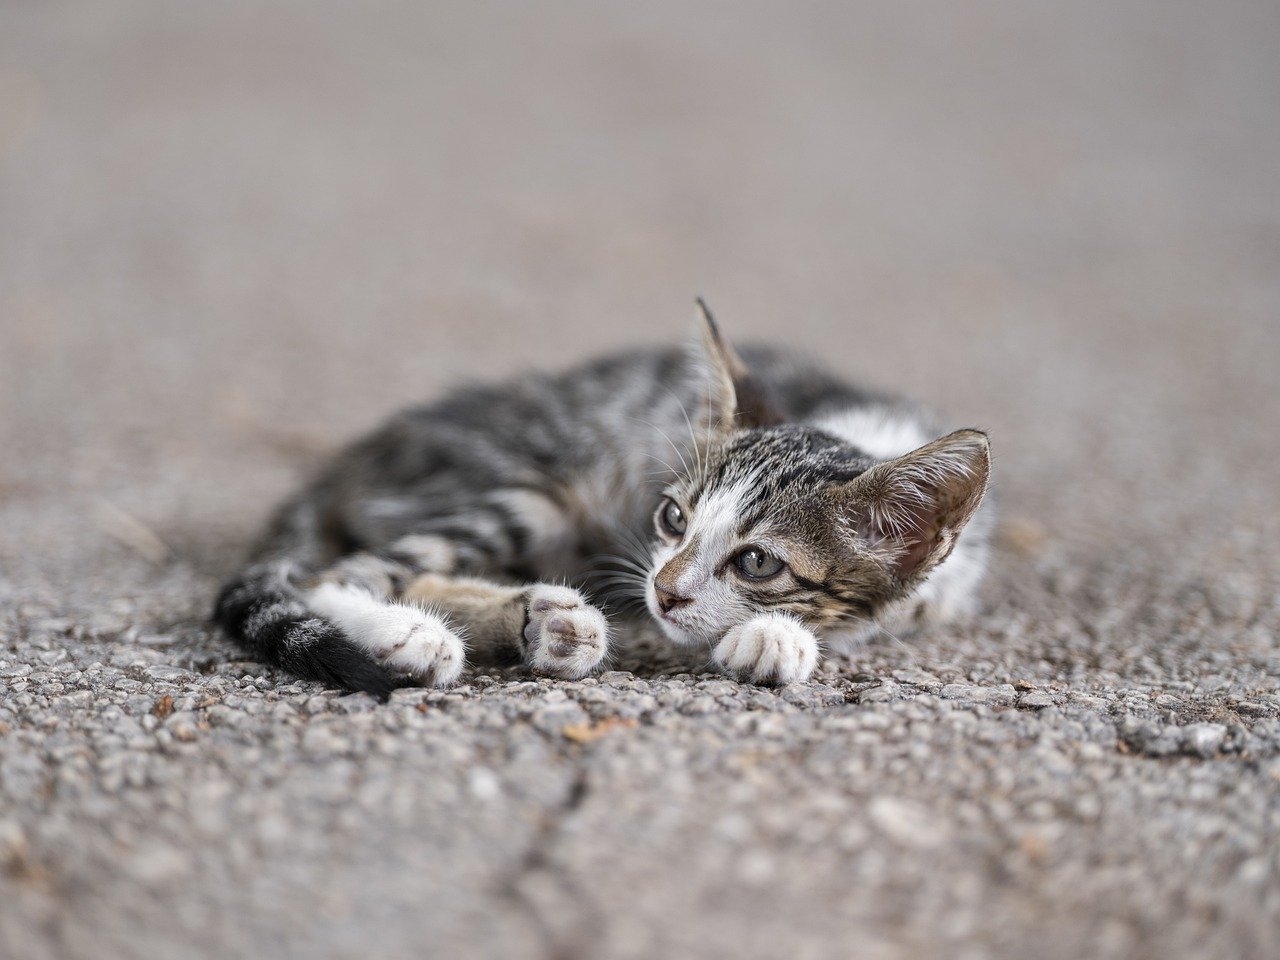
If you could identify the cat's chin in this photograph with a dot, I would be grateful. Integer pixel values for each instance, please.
(678, 635)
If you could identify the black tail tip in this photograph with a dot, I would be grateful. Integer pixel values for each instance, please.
(305, 646)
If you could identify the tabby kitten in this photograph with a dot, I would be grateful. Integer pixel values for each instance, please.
(753, 502)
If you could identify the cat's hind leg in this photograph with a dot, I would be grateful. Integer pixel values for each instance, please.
(553, 629)
(406, 601)
(407, 638)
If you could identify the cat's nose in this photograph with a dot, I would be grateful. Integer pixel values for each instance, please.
(668, 601)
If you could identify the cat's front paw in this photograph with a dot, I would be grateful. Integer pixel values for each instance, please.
(564, 635)
(769, 648)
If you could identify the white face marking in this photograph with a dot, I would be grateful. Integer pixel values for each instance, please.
(712, 537)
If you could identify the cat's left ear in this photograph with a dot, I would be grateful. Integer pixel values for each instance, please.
(736, 398)
(909, 511)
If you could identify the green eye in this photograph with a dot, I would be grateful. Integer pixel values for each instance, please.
(672, 519)
(755, 564)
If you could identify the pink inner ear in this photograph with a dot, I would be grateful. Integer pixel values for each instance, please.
(908, 502)
(914, 554)
(916, 528)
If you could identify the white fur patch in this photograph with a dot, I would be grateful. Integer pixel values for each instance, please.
(406, 638)
(713, 526)
(882, 432)
(768, 648)
(712, 537)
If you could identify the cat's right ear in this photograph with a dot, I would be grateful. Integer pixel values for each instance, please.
(735, 398)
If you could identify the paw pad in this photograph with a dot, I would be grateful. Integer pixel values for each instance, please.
(565, 636)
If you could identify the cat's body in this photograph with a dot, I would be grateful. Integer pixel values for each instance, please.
(439, 536)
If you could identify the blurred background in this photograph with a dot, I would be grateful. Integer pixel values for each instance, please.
(230, 231)
(234, 234)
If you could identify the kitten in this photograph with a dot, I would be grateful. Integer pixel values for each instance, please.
(753, 501)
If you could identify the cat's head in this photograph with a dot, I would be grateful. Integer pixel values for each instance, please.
(784, 517)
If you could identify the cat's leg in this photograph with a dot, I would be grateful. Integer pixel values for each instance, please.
(364, 593)
(552, 628)
(417, 598)
(496, 530)
(768, 648)
(358, 594)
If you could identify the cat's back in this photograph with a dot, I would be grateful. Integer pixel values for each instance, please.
(625, 410)
(803, 387)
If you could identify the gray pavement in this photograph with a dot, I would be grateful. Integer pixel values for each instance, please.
(232, 235)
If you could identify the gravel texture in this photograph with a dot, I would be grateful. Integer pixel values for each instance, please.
(231, 235)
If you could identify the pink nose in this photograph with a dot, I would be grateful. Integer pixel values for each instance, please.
(668, 601)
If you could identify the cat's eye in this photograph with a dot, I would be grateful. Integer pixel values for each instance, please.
(672, 519)
(756, 564)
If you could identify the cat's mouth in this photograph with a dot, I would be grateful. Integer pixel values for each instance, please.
(669, 622)
(692, 624)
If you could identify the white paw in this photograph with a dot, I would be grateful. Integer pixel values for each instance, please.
(565, 636)
(408, 639)
(769, 648)
(417, 644)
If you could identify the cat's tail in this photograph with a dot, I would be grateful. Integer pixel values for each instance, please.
(265, 610)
